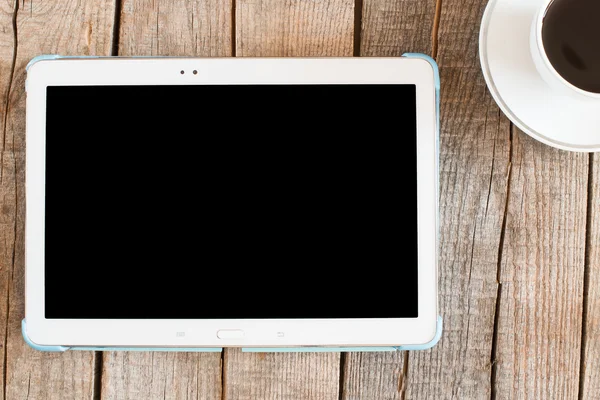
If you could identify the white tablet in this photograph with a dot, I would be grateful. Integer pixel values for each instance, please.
(231, 202)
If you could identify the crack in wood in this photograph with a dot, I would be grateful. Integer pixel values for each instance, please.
(493, 360)
(436, 29)
(586, 274)
(403, 377)
(8, 89)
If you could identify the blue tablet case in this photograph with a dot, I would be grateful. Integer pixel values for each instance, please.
(425, 346)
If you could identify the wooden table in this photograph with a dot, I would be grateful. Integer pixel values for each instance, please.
(520, 252)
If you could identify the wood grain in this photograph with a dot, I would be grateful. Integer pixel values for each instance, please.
(294, 28)
(474, 170)
(166, 28)
(156, 375)
(197, 28)
(37, 375)
(282, 376)
(541, 254)
(542, 271)
(590, 364)
(391, 28)
(48, 27)
(8, 182)
(374, 376)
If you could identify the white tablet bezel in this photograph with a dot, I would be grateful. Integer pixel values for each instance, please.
(256, 332)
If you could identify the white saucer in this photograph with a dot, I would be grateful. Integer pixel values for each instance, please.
(568, 122)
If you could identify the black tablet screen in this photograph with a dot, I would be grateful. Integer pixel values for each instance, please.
(255, 201)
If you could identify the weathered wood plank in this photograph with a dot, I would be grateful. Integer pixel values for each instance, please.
(48, 27)
(273, 28)
(590, 372)
(8, 185)
(291, 28)
(389, 28)
(199, 28)
(281, 376)
(542, 274)
(474, 167)
(165, 28)
(155, 375)
(374, 376)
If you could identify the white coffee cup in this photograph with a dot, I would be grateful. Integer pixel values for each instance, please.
(543, 64)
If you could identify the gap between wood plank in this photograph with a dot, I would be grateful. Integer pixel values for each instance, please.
(499, 270)
(116, 34)
(436, 29)
(404, 375)
(98, 364)
(586, 274)
(357, 39)
(342, 376)
(114, 51)
(233, 29)
(358, 15)
(223, 372)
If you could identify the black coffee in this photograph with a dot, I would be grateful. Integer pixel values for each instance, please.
(571, 36)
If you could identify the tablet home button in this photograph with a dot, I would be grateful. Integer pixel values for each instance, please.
(230, 334)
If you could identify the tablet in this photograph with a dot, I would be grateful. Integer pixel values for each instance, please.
(184, 202)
